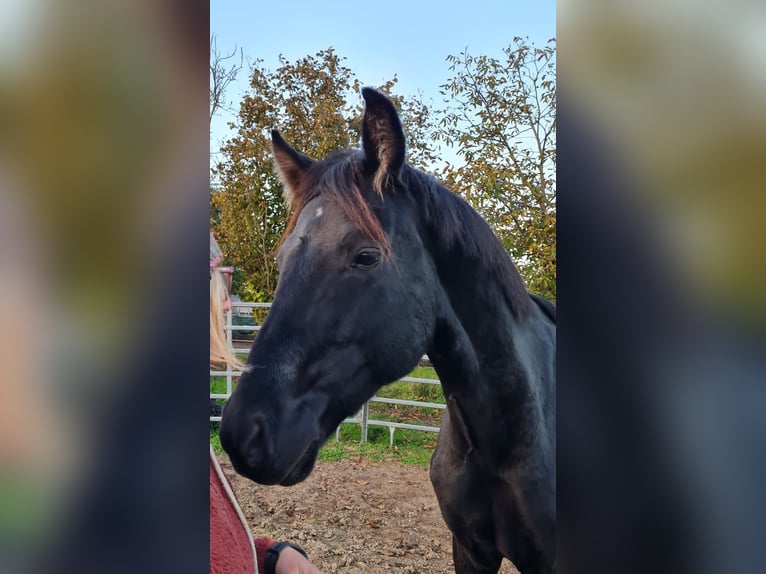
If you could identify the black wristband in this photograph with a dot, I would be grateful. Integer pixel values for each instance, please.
(272, 555)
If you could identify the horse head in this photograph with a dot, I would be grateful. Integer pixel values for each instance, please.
(354, 304)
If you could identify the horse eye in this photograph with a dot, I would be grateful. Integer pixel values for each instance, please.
(367, 258)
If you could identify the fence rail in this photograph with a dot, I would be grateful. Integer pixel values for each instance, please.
(361, 418)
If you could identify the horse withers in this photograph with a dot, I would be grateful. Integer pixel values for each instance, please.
(380, 265)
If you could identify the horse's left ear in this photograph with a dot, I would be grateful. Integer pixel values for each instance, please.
(382, 137)
(290, 165)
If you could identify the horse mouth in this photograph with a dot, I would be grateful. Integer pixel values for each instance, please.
(302, 467)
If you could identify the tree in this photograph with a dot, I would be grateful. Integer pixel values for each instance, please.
(501, 117)
(315, 104)
(221, 74)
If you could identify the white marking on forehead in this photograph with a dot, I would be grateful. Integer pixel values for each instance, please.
(319, 212)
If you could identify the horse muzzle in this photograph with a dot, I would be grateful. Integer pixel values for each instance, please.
(279, 447)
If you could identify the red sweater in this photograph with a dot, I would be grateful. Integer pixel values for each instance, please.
(232, 548)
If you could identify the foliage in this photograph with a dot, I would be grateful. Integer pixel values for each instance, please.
(315, 104)
(501, 117)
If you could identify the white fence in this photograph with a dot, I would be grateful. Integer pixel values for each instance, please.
(361, 418)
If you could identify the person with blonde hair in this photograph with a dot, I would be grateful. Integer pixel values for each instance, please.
(232, 547)
(220, 287)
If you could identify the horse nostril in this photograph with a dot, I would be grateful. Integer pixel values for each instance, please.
(256, 430)
(257, 444)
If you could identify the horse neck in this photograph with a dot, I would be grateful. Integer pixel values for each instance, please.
(480, 351)
(484, 306)
(478, 337)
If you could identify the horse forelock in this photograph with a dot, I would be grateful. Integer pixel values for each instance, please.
(337, 179)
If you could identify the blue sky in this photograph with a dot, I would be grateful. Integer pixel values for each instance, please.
(378, 39)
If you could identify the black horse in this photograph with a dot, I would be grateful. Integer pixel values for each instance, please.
(381, 264)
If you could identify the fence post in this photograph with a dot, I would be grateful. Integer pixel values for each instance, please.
(365, 416)
(230, 344)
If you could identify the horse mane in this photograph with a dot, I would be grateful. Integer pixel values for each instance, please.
(454, 223)
(459, 228)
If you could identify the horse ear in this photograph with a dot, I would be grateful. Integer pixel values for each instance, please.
(382, 137)
(291, 165)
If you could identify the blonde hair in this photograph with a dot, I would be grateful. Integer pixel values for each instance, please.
(219, 348)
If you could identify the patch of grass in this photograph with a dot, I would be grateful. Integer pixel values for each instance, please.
(415, 391)
(218, 385)
(410, 447)
(422, 372)
(215, 440)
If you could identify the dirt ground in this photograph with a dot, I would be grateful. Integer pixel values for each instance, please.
(355, 516)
